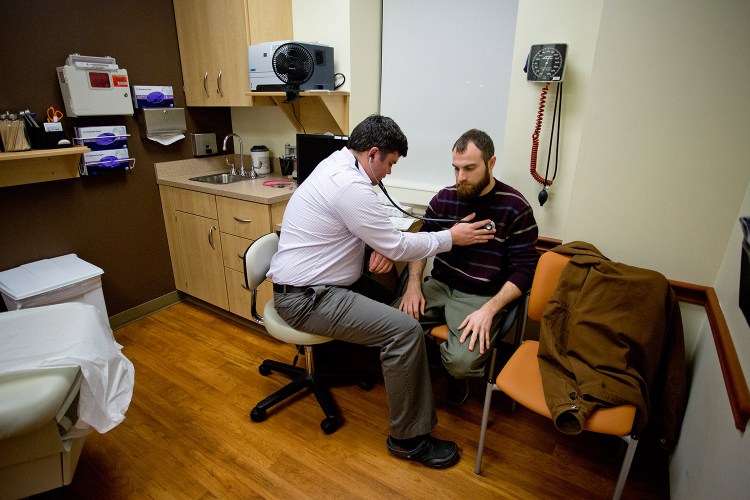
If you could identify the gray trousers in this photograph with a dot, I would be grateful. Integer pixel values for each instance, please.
(342, 314)
(444, 305)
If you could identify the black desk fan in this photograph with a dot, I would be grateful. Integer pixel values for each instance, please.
(293, 65)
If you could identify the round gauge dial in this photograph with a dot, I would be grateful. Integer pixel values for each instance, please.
(546, 64)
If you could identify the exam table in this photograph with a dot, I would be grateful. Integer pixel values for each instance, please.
(62, 375)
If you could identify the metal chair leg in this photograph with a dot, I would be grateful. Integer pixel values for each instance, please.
(491, 387)
(632, 441)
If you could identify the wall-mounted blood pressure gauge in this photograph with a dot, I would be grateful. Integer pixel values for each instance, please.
(546, 62)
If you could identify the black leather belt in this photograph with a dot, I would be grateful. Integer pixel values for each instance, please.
(279, 288)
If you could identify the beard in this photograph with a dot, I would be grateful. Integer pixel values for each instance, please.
(467, 190)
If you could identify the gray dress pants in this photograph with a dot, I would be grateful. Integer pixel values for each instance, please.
(342, 314)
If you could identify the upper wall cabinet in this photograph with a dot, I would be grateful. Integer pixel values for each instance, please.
(213, 38)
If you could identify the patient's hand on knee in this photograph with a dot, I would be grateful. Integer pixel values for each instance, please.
(477, 325)
(412, 302)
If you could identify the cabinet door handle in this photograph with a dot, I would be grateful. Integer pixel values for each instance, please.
(205, 84)
(218, 85)
(244, 221)
(211, 236)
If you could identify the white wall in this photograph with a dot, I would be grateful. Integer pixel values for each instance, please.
(712, 456)
(543, 21)
(437, 82)
(326, 22)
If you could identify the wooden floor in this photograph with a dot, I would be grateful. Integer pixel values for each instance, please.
(187, 434)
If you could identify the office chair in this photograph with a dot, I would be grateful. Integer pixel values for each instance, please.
(257, 262)
(521, 379)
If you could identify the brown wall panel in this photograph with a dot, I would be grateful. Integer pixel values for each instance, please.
(113, 221)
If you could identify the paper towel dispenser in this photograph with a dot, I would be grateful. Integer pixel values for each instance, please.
(163, 125)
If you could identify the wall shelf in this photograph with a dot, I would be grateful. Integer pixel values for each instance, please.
(39, 165)
(315, 112)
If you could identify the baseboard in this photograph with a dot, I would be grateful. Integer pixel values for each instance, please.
(222, 312)
(143, 310)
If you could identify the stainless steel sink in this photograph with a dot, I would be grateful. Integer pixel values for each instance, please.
(220, 178)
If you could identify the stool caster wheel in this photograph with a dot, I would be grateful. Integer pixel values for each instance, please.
(329, 425)
(264, 370)
(257, 415)
(366, 385)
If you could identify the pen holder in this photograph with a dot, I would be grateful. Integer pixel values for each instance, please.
(287, 165)
(48, 136)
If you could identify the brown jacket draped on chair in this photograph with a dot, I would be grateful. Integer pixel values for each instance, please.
(610, 335)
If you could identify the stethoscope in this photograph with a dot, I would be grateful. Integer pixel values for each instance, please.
(489, 226)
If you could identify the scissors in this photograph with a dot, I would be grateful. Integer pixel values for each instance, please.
(53, 115)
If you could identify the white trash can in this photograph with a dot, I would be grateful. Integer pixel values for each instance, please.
(53, 281)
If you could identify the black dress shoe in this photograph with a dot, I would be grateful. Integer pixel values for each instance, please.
(432, 452)
(458, 390)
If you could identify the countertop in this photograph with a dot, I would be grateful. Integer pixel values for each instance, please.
(178, 173)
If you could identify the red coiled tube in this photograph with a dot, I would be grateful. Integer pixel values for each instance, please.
(535, 138)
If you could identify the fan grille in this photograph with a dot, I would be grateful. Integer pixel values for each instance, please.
(293, 64)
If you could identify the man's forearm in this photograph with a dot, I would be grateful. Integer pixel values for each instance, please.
(507, 294)
(416, 268)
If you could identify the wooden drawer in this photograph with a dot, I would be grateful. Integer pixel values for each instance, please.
(234, 248)
(243, 218)
(240, 297)
(193, 202)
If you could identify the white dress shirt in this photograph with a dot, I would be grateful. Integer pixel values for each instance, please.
(330, 218)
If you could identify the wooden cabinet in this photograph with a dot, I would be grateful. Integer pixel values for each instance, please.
(241, 223)
(202, 263)
(208, 236)
(243, 218)
(195, 244)
(213, 38)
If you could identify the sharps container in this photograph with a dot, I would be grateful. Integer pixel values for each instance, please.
(53, 281)
(261, 159)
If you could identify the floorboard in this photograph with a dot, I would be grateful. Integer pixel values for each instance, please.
(187, 434)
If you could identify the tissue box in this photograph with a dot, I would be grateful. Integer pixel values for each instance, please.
(145, 97)
(102, 138)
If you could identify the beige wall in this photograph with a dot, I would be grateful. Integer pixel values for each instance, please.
(660, 174)
(366, 19)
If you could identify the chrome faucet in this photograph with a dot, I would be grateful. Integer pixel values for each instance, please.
(252, 174)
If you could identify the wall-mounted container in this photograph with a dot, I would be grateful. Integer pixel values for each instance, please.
(162, 124)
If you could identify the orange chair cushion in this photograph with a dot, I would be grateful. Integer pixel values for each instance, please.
(521, 380)
(440, 333)
(546, 276)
